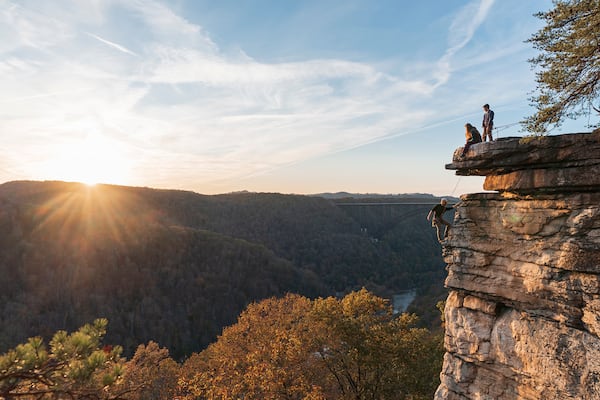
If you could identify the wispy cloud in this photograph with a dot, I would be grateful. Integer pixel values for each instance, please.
(466, 23)
(460, 33)
(191, 102)
(183, 104)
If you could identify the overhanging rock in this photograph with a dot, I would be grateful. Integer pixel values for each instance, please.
(523, 313)
(562, 163)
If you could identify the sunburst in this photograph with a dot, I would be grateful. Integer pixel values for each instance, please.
(90, 160)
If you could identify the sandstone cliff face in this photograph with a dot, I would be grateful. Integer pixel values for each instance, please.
(523, 313)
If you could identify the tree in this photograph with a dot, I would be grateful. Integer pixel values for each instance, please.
(568, 83)
(74, 367)
(263, 356)
(151, 373)
(294, 348)
(371, 354)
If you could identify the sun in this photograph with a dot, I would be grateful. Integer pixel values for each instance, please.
(90, 160)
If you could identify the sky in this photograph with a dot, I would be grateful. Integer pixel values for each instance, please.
(289, 96)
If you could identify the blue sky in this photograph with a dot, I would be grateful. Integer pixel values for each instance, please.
(294, 96)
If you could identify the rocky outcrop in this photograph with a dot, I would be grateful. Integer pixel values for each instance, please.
(523, 313)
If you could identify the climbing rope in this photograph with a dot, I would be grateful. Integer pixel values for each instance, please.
(455, 186)
(503, 127)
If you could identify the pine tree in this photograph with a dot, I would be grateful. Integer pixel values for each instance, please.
(75, 366)
(568, 82)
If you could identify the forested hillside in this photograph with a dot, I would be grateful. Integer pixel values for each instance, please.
(176, 267)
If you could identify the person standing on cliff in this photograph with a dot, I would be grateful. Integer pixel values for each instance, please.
(437, 212)
(488, 122)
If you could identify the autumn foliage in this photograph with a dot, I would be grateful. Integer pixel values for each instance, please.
(295, 348)
(280, 348)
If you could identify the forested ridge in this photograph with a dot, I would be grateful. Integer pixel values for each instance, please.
(176, 266)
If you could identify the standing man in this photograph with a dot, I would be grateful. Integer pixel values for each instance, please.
(437, 212)
(488, 122)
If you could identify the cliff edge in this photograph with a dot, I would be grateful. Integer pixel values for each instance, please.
(523, 312)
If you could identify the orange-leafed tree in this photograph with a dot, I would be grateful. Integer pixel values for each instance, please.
(152, 373)
(371, 354)
(294, 348)
(263, 356)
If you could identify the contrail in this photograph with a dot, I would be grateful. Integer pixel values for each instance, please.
(42, 95)
(112, 44)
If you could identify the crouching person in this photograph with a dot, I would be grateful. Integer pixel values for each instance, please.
(472, 135)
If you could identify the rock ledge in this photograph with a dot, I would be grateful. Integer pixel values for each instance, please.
(523, 313)
(562, 163)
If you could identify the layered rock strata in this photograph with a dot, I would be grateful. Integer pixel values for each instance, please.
(523, 313)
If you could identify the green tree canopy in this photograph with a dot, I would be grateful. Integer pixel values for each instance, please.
(568, 82)
(78, 366)
(74, 366)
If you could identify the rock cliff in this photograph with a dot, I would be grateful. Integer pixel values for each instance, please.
(523, 312)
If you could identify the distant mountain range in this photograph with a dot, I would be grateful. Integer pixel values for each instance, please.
(402, 196)
(176, 266)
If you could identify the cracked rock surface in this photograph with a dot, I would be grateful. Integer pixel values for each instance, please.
(523, 313)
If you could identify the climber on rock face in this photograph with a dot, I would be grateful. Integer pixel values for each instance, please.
(437, 212)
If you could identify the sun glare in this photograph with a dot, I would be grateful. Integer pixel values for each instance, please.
(92, 160)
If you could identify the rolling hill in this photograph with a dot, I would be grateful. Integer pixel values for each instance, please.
(177, 266)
